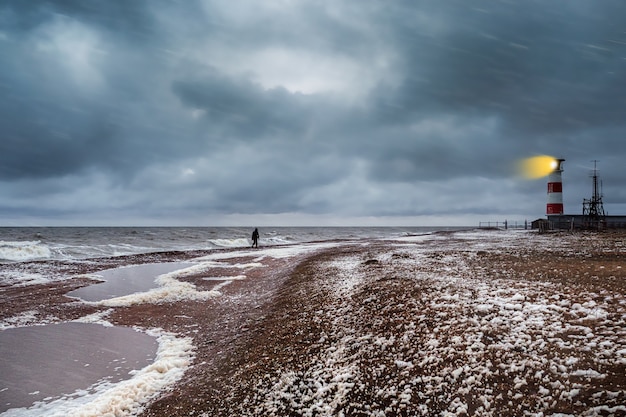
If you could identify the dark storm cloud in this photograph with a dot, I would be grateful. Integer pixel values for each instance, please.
(81, 90)
(244, 110)
(541, 67)
(128, 19)
(542, 73)
(314, 107)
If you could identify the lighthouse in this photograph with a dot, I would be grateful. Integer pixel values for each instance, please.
(555, 189)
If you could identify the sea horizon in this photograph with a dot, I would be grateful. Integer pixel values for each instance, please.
(21, 244)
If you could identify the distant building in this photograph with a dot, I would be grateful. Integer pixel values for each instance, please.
(580, 221)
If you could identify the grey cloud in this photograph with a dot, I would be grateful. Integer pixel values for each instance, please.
(461, 90)
(543, 74)
(551, 68)
(130, 19)
(244, 110)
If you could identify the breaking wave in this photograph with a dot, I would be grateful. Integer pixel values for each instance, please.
(23, 251)
(230, 243)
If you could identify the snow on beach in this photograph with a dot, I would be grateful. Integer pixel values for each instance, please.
(400, 331)
(468, 323)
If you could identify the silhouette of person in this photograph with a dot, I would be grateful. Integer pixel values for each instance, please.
(255, 238)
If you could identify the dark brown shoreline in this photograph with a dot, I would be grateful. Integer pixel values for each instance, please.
(281, 317)
(283, 330)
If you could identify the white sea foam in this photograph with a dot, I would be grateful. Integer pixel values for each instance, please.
(23, 251)
(202, 267)
(20, 278)
(99, 318)
(276, 240)
(124, 398)
(230, 243)
(170, 290)
(225, 278)
(25, 318)
(276, 252)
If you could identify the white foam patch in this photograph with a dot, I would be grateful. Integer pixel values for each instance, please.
(202, 267)
(225, 278)
(277, 252)
(97, 318)
(346, 279)
(124, 398)
(218, 287)
(22, 278)
(415, 238)
(231, 243)
(32, 318)
(170, 290)
(26, 318)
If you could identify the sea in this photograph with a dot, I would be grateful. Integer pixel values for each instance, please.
(23, 244)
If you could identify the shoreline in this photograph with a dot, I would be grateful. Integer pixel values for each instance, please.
(476, 323)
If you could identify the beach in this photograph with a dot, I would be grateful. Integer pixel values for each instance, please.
(478, 322)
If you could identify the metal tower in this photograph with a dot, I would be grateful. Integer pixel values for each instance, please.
(593, 210)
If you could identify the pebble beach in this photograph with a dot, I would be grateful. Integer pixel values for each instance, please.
(465, 323)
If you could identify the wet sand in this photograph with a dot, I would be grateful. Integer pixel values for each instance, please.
(486, 324)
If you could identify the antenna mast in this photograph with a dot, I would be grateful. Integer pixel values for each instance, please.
(593, 210)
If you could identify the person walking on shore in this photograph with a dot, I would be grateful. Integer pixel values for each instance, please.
(255, 238)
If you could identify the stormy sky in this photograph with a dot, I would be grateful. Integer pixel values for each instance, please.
(306, 112)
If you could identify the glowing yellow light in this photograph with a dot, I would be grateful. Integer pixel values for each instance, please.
(537, 166)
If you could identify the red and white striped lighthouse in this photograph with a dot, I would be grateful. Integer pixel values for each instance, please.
(555, 189)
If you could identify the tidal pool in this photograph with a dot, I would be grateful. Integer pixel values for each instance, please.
(43, 363)
(126, 280)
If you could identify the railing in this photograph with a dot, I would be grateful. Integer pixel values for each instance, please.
(558, 223)
(504, 225)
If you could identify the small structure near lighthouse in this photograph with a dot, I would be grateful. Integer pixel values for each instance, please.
(593, 209)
